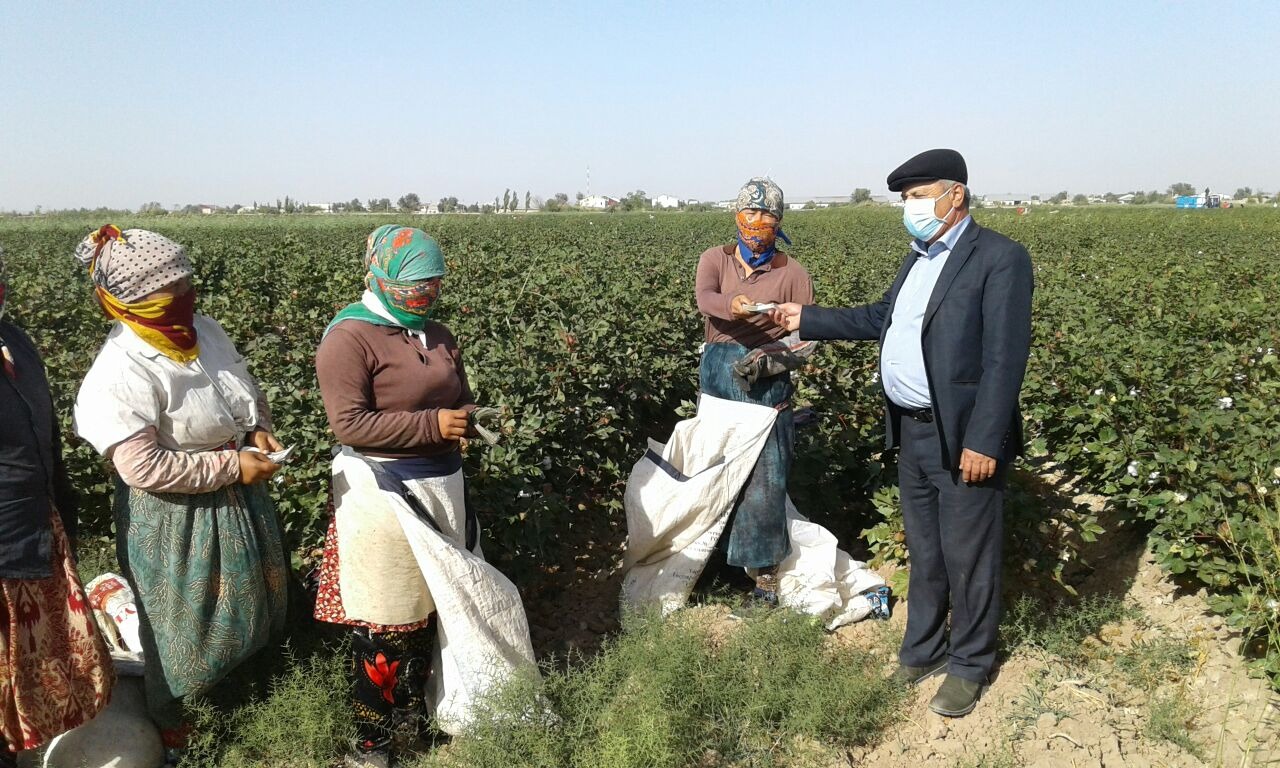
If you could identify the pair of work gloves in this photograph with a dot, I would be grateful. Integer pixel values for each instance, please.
(785, 354)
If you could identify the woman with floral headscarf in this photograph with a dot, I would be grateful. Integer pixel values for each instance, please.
(170, 402)
(731, 281)
(396, 394)
(55, 670)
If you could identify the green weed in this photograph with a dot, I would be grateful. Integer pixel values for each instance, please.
(1170, 718)
(667, 693)
(301, 720)
(1147, 664)
(1061, 630)
(1034, 702)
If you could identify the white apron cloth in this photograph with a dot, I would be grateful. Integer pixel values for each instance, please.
(678, 501)
(482, 635)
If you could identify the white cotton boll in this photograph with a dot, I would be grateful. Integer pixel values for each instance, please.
(1226, 403)
(1239, 377)
(546, 462)
(1134, 391)
(1132, 469)
(1179, 497)
(1098, 391)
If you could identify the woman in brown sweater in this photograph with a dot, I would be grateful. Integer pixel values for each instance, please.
(395, 391)
(731, 281)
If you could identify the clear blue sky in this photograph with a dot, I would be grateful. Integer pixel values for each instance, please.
(118, 103)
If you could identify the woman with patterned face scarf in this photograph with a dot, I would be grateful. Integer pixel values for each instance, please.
(396, 394)
(55, 670)
(731, 280)
(170, 402)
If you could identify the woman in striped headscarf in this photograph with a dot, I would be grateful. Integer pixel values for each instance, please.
(170, 402)
(396, 394)
(55, 671)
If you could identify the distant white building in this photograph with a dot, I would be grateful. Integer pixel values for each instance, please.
(693, 201)
(666, 201)
(1011, 200)
(597, 202)
(430, 208)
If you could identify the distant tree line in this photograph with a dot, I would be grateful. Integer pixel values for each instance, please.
(637, 200)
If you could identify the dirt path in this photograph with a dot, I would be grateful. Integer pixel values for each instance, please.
(1042, 711)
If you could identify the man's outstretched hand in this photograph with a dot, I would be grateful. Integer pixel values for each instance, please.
(787, 315)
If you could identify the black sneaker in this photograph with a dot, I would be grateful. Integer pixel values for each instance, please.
(956, 697)
(374, 758)
(369, 754)
(905, 675)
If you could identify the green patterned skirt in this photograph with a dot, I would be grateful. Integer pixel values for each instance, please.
(209, 573)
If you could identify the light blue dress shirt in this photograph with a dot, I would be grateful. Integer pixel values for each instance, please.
(902, 355)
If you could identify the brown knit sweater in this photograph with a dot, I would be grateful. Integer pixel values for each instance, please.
(383, 389)
(720, 278)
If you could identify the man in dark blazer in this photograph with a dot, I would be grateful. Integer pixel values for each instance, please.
(954, 332)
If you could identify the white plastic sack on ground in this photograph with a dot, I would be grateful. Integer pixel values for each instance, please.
(679, 496)
(482, 632)
(821, 579)
(121, 736)
(678, 501)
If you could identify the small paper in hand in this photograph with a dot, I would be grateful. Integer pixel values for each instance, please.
(280, 457)
(760, 308)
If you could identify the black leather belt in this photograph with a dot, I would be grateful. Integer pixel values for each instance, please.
(923, 415)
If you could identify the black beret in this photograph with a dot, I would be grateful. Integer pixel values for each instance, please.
(931, 165)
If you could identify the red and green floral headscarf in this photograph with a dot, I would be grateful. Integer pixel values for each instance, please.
(403, 264)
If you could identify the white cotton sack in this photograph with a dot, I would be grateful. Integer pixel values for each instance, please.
(121, 736)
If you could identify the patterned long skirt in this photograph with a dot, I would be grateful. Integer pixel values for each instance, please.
(209, 573)
(758, 524)
(55, 669)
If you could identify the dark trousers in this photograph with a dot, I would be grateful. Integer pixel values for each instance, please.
(954, 543)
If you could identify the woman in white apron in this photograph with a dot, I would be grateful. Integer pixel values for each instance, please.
(396, 393)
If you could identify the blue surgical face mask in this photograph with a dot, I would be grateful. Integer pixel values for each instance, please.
(918, 216)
